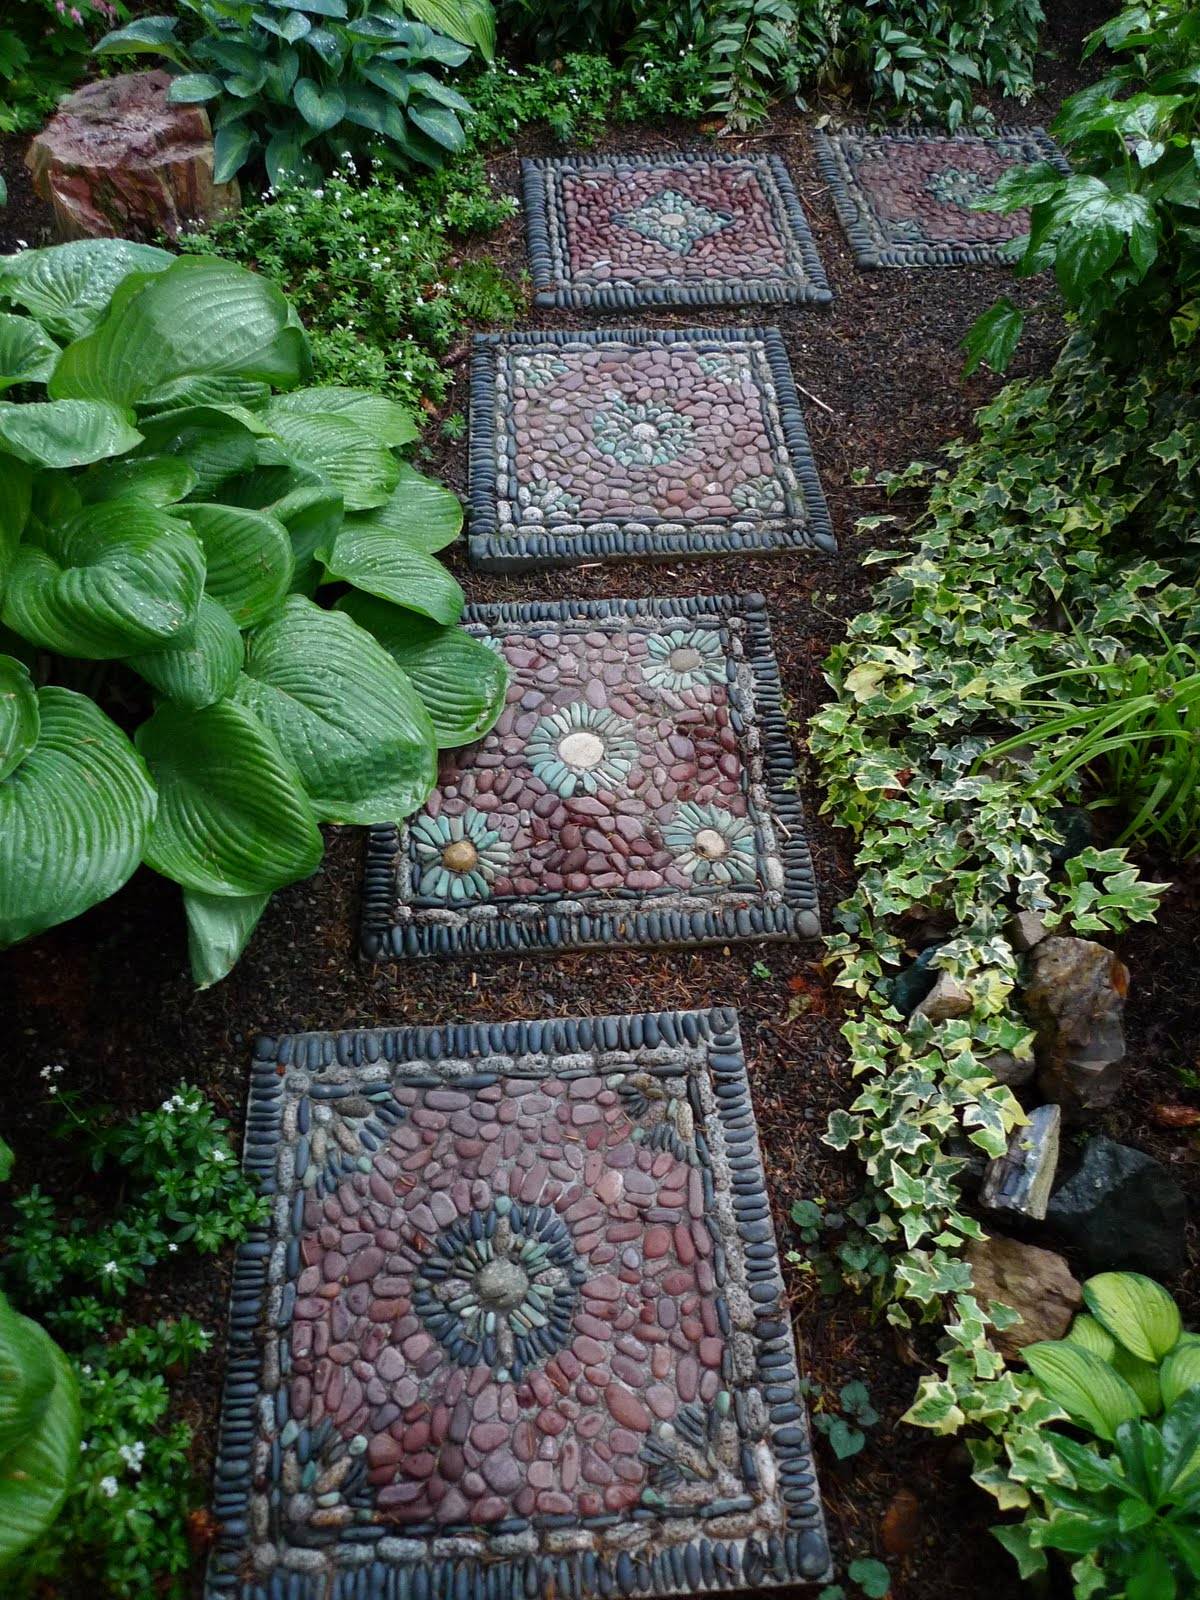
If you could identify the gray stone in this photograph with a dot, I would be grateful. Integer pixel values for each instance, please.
(948, 998)
(1122, 1210)
(1075, 996)
(1009, 1069)
(1020, 1180)
(1025, 930)
(1037, 1284)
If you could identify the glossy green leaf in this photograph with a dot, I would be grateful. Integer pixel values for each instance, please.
(419, 511)
(321, 108)
(7, 1161)
(376, 559)
(1138, 1312)
(193, 88)
(66, 433)
(37, 1470)
(19, 720)
(160, 480)
(248, 555)
(1086, 1387)
(114, 579)
(438, 123)
(27, 354)
(1091, 1335)
(212, 443)
(343, 712)
(1180, 1371)
(461, 681)
(233, 818)
(233, 146)
(219, 929)
(203, 670)
(390, 423)
(74, 817)
(470, 21)
(345, 455)
(68, 286)
(16, 498)
(993, 337)
(143, 36)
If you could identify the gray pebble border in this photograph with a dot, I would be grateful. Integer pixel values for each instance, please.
(549, 254)
(391, 929)
(497, 548)
(869, 243)
(269, 1548)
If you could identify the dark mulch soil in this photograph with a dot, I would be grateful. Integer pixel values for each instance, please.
(109, 996)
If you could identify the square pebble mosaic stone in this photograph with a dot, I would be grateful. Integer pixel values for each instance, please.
(905, 199)
(516, 1327)
(637, 789)
(638, 443)
(623, 231)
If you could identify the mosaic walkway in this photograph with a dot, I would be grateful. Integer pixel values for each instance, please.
(638, 788)
(905, 199)
(635, 443)
(516, 1327)
(681, 229)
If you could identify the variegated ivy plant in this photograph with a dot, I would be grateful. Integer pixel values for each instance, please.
(172, 500)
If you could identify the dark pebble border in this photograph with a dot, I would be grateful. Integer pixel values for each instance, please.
(547, 234)
(389, 929)
(772, 1534)
(497, 549)
(853, 204)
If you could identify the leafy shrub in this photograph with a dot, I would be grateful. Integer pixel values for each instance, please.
(163, 508)
(44, 47)
(554, 27)
(368, 264)
(582, 94)
(303, 83)
(1121, 231)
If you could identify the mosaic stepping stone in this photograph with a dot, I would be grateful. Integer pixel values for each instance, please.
(637, 789)
(639, 443)
(905, 199)
(516, 1327)
(668, 230)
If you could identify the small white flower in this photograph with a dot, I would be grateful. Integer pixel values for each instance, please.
(172, 1248)
(110, 1267)
(133, 1455)
(220, 1155)
(109, 1486)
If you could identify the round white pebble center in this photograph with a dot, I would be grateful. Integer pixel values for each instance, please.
(684, 658)
(581, 750)
(711, 844)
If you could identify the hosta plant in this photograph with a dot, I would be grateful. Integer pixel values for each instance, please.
(172, 499)
(302, 83)
(39, 1432)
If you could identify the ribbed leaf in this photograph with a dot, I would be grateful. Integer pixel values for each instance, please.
(347, 457)
(374, 558)
(67, 286)
(343, 712)
(201, 316)
(321, 108)
(73, 817)
(212, 443)
(16, 495)
(1138, 1312)
(437, 123)
(248, 556)
(233, 818)
(390, 423)
(19, 719)
(36, 1475)
(112, 580)
(219, 929)
(460, 681)
(26, 1377)
(193, 88)
(65, 433)
(420, 511)
(27, 354)
(1180, 1371)
(205, 669)
(469, 21)
(160, 480)
(1086, 1387)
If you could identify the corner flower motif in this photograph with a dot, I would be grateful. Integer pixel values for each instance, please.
(580, 748)
(684, 659)
(545, 500)
(673, 220)
(457, 858)
(539, 368)
(764, 495)
(712, 845)
(640, 433)
(957, 186)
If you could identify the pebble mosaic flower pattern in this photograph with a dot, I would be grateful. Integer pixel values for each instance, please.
(524, 1288)
(635, 768)
(687, 442)
(632, 230)
(907, 199)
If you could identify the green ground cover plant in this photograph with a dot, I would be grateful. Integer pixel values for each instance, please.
(301, 84)
(44, 52)
(173, 504)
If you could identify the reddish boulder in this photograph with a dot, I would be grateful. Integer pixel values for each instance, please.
(117, 161)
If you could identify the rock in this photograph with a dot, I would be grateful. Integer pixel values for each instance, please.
(117, 160)
(1009, 1069)
(1075, 996)
(1020, 1181)
(1037, 1284)
(1122, 1210)
(910, 986)
(901, 1524)
(948, 998)
(1025, 930)
(1075, 825)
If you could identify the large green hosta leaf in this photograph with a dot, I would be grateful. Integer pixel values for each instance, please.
(205, 669)
(248, 556)
(40, 1429)
(215, 444)
(233, 818)
(27, 354)
(65, 433)
(19, 719)
(67, 286)
(420, 511)
(375, 559)
(201, 317)
(112, 580)
(219, 929)
(16, 497)
(389, 423)
(73, 817)
(162, 480)
(346, 456)
(343, 712)
(461, 681)
(470, 21)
